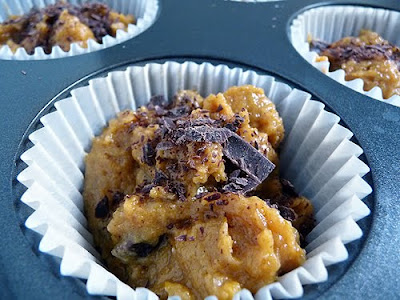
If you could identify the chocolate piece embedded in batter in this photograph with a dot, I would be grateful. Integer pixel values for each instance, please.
(102, 208)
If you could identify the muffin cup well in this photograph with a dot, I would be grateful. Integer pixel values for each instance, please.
(331, 23)
(317, 156)
(144, 11)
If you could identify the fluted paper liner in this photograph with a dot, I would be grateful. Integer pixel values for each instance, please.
(317, 156)
(331, 23)
(144, 11)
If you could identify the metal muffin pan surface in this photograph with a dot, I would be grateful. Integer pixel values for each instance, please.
(248, 35)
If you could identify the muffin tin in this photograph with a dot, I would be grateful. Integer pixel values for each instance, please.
(252, 36)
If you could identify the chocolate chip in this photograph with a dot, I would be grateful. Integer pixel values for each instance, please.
(102, 208)
(219, 108)
(141, 249)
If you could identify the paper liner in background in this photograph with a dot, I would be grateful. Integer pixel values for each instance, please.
(144, 11)
(317, 156)
(331, 23)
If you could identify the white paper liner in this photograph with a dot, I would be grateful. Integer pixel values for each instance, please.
(145, 12)
(331, 23)
(317, 157)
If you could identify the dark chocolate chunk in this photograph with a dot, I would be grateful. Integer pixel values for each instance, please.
(288, 188)
(219, 108)
(128, 248)
(201, 134)
(287, 213)
(167, 145)
(178, 111)
(160, 178)
(102, 208)
(157, 100)
(117, 198)
(141, 249)
(318, 46)
(255, 165)
(146, 188)
(149, 154)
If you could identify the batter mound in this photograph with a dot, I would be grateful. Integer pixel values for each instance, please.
(186, 199)
(62, 24)
(368, 57)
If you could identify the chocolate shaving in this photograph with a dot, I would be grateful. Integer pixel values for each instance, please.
(235, 124)
(167, 145)
(146, 189)
(178, 189)
(181, 238)
(102, 208)
(160, 178)
(149, 154)
(213, 197)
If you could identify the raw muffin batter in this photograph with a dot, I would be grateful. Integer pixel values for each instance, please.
(177, 197)
(368, 57)
(62, 24)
